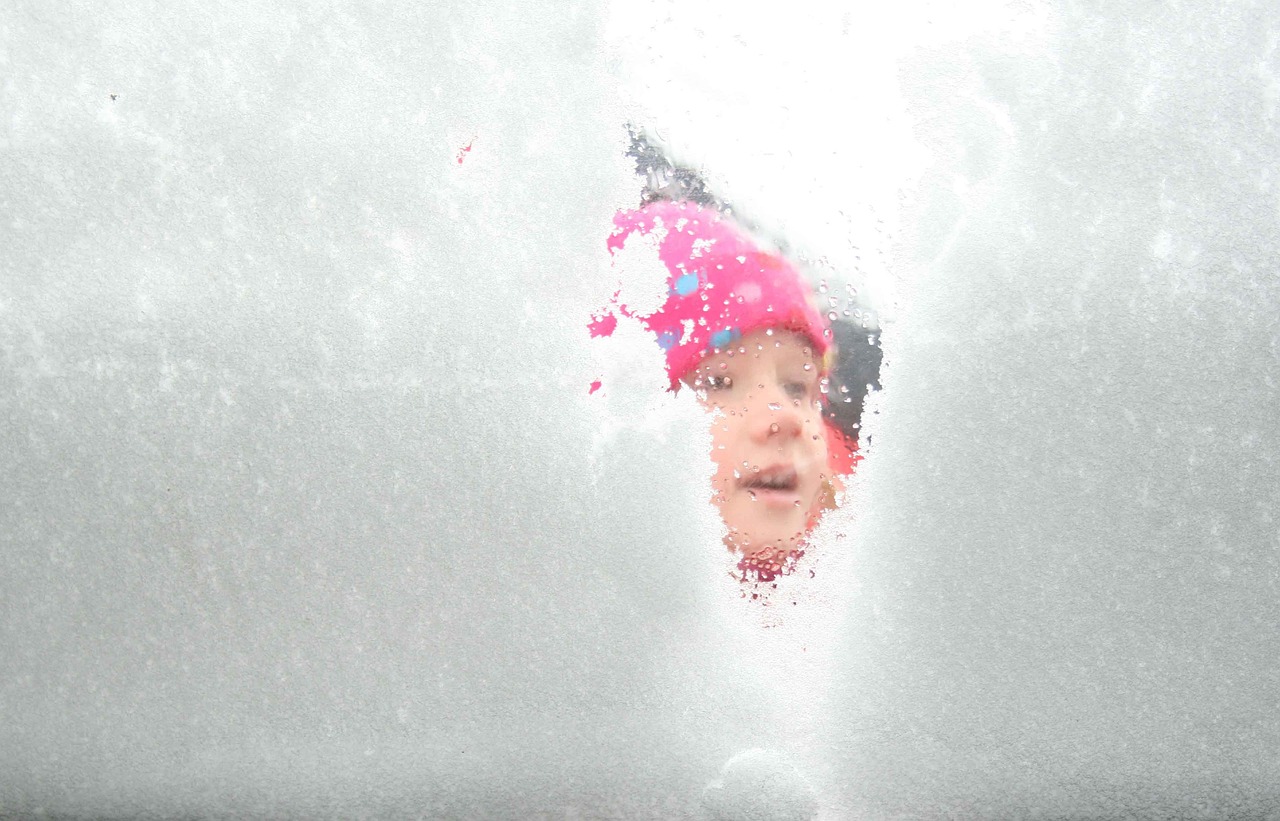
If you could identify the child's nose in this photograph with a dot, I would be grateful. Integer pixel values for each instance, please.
(777, 414)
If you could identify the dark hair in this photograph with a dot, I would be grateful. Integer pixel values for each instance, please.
(855, 374)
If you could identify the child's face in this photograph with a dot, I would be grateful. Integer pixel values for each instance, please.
(767, 437)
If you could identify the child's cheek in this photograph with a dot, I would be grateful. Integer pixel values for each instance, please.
(723, 475)
(723, 478)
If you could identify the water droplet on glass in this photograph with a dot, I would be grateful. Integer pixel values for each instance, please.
(773, 428)
(808, 366)
(775, 406)
(832, 315)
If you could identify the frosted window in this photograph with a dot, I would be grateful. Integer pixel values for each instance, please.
(307, 510)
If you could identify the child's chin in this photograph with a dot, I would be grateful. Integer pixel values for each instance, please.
(750, 540)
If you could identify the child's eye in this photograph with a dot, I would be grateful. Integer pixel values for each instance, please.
(796, 390)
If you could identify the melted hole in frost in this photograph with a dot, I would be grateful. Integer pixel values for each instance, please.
(772, 479)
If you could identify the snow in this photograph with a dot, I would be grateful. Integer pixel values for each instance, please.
(307, 509)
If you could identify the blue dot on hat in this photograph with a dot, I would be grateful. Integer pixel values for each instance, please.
(687, 284)
(667, 340)
(721, 339)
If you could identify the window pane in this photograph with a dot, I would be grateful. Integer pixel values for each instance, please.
(309, 508)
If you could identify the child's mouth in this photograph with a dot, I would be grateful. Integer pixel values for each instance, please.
(775, 485)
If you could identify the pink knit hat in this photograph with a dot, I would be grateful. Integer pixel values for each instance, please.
(721, 287)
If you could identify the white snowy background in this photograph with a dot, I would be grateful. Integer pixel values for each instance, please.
(305, 510)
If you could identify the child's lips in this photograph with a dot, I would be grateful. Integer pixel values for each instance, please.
(776, 486)
(782, 499)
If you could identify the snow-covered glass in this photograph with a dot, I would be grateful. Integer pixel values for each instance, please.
(318, 498)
